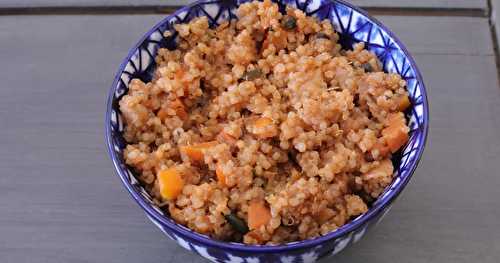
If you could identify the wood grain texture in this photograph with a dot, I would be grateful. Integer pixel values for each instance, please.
(60, 200)
(495, 17)
(442, 35)
(449, 4)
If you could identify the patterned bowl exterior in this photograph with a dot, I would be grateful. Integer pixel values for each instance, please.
(354, 26)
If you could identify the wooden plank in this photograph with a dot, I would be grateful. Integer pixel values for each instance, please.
(448, 4)
(441, 35)
(59, 195)
(495, 18)
(61, 201)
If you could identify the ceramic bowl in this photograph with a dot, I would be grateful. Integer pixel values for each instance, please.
(353, 26)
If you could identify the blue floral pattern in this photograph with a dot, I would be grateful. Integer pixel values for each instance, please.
(353, 26)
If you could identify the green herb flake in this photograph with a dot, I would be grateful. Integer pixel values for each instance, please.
(238, 224)
(367, 67)
(289, 23)
(252, 74)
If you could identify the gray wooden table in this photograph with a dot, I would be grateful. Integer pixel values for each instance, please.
(60, 200)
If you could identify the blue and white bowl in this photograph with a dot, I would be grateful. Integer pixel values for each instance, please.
(353, 26)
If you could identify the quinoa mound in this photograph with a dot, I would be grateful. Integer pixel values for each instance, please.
(262, 130)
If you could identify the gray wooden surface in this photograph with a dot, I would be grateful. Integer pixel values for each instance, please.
(451, 4)
(495, 16)
(60, 200)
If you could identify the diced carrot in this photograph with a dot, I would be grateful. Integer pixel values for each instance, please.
(195, 152)
(263, 127)
(204, 145)
(170, 183)
(221, 178)
(225, 137)
(258, 214)
(383, 149)
(262, 122)
(403, 103)
(385, 168)
(396, 131)
(395, 119)
(396, 136)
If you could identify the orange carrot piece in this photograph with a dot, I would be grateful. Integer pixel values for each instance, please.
(258, 215)
(262, 122)
(225, 137)
(403, 103)
(396, 132)
(195, 152)
(383, 149)
(395, 119)
(263, 127)
(221, 178)
(396, 136)
(170, 183)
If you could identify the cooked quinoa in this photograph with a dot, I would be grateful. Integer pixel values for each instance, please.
(263, 130)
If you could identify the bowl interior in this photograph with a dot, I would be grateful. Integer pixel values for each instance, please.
(353, 26)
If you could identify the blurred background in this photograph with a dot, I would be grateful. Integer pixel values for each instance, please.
(60, 200)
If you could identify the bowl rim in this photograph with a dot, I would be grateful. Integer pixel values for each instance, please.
(304, 244)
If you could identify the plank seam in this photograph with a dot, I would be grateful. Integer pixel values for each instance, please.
(431, 11)
(453, 54)
(87, 10)
(494, 37)
(165, 9)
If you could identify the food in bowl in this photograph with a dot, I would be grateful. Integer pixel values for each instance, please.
(262, 130)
